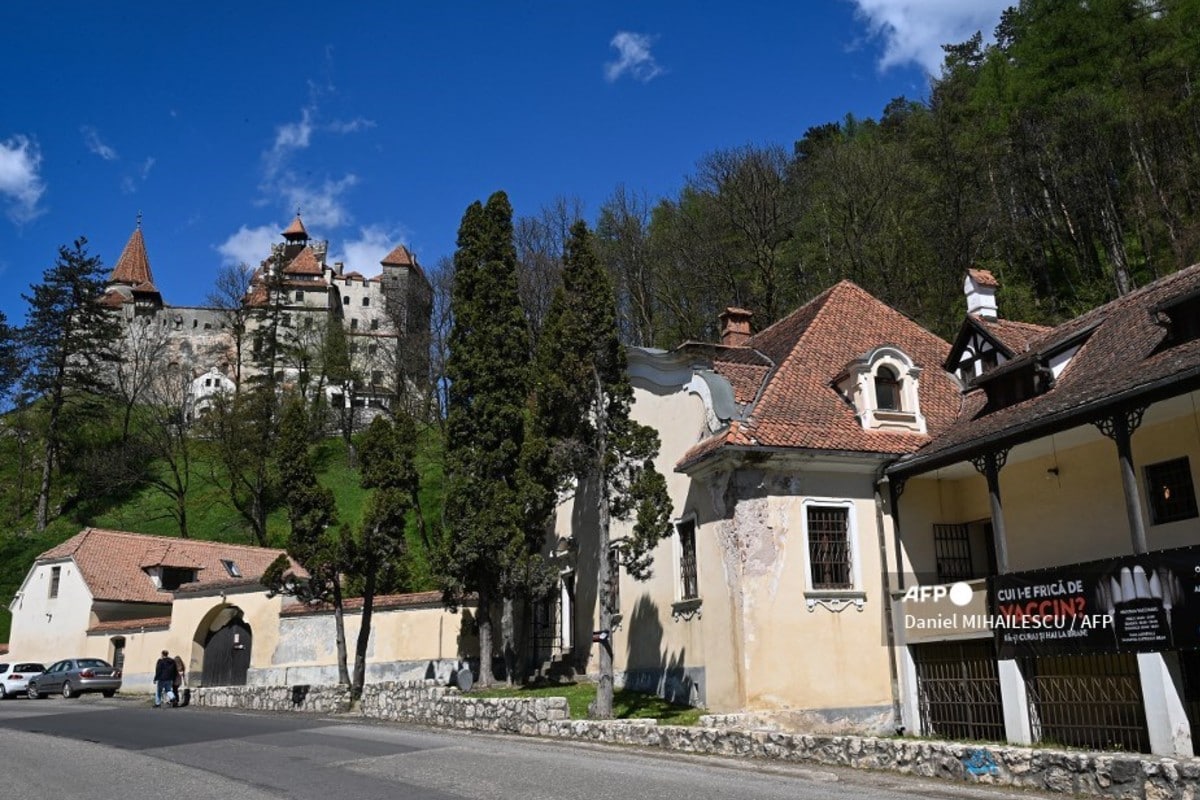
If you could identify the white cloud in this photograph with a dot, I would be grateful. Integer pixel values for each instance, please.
(633, 58)
(373, 243)
(249, 245)
(20, 183)
(320, 205)
(91, 138)
(289, 137)
(147, 165)
(914, 31)
(350, 125)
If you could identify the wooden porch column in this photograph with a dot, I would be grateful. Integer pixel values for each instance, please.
(1120, 427)
(989, 466)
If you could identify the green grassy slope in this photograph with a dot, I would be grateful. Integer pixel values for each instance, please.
(210, 515)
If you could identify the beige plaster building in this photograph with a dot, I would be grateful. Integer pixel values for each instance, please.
(770, 595)
(126, 597)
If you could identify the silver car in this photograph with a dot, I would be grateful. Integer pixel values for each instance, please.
(75, 676)
(15, 675)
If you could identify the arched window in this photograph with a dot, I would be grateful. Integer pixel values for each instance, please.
(887, 389)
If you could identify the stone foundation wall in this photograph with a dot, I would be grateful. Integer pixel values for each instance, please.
(1109, 775)
(329, 699)
(427, 703)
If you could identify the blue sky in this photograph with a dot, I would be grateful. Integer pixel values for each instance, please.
(383, 121)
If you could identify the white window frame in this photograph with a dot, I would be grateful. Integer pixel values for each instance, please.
(834, 599)
(677, 556)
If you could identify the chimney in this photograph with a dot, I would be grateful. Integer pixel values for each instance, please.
(735, 326)
(980, 289)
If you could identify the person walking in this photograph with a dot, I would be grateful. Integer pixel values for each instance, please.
(164, 679)
(180, 674)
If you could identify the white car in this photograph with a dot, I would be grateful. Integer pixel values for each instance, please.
(15, 675)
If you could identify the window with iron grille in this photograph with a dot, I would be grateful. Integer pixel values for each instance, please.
(829, 547)
(952, 549)
(688, 585)
(55, 577)
(1169, 486)
(614, 580)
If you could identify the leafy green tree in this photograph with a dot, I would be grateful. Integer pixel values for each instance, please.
(322, 552)
(585, 399)
(68, 341)
(488, 376)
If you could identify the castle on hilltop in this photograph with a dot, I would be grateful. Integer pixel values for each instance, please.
(298, 294)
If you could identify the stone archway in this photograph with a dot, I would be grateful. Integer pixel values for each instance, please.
(221, 647)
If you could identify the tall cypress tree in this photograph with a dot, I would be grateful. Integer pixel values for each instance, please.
(488, 375)
(69, 339)
(584, 399)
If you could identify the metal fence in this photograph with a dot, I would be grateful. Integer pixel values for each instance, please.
(1093, 702)
(958, 690)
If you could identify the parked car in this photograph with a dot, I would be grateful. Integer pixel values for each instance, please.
(76, 676)
(15, 675)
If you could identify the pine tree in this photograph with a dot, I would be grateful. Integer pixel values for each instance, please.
(584, 399)
(488, 375)
(69, 339)
(10, 351)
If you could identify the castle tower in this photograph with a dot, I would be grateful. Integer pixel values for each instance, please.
(131, 280)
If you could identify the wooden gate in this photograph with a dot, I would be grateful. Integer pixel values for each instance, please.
(227, 655)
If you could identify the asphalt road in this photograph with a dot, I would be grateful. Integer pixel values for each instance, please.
(93, 748)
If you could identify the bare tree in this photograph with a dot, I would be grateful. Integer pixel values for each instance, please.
(539, 241)
(141, 349)
(229, 296)
(623, 245)
(167, 436)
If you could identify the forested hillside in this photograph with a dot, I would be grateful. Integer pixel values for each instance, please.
(1065, 157)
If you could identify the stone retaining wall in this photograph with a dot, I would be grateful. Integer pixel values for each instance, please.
(329, 699)
(427, 703)
(1110, 775)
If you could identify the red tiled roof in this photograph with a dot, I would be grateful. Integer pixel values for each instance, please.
(305, 263)
(146, 287)
(984, 278)
(799, 407)
(116, 626)
(133, 267)
(114, 299)
(296, 230)
(382, 603)
(1016, 336)
(1122, 356)
(112, 562)
(399, 257)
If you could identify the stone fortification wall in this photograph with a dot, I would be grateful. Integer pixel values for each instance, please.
(1110, 775)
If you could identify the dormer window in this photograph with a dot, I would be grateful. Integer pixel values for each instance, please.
(882, 386)
(887, 389)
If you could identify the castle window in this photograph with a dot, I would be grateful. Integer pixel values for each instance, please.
(354, 324)
(371, 349)
(366, 301)
(55, 578)
(374, 324)
(346, 299)
(887, 389)
(1169, 487)
(299, 294)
